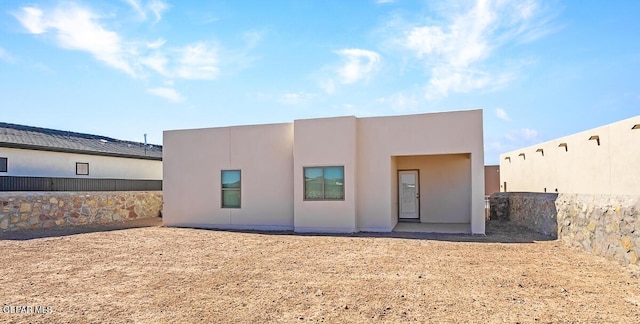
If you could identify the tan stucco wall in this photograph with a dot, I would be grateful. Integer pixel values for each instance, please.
(585, 167)
(370, 150)
(445, 186)
(325, 142)
(193, 160)
(393, 205)
(31, 163)
(382, 138)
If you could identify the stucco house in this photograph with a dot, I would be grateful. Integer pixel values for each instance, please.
(603, 160)
(420, 172)
(41, 159)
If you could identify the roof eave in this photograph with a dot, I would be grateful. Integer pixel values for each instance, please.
(66, 150)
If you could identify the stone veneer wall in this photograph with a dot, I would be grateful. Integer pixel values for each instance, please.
(606, 225)
(601, 224)
(536, 211)
(29, 210)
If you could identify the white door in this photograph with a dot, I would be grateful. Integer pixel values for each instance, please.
(409, 195)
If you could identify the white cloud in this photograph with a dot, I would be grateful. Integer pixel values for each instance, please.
(31, 19)
(514, 139)
(528, 133)
(252, 38)
(156, 44)
(400, 102)
(156, 7)
(156, 61)
(495, 146)
(135, 4)
(166, 93)
(5, 56)
(456, 51)
(502, 114)
(197, 61)
(328, 86)
(522, 136)
(78, 28)
(385, 1)
(296, 98)
(359, 64)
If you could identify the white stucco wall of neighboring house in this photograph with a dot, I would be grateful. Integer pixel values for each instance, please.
(382, 140)
(582, 167)
(193, 161)
(33, 163)
(325, 142)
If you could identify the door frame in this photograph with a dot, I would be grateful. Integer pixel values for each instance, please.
(418, 185)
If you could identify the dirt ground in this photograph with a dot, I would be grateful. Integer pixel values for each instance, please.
(142, 272)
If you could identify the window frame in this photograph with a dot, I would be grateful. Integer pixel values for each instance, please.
(6, 164)
(222, 190)
(323, 167)
(79, 164)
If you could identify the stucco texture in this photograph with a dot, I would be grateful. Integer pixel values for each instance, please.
(597, 161)
(447, 147)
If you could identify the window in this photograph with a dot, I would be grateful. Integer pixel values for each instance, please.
(3, 164)
(231, 189)
(82, 168)
(324, 183)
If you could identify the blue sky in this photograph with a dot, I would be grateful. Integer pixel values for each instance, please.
(123, 68)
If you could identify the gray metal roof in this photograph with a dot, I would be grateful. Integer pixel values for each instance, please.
(44, 139)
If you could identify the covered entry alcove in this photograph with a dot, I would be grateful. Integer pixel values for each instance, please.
(433, 192)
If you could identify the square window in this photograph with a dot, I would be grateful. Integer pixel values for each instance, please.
(324, 183)
(82, 168)
(3, 164)
(231, 188)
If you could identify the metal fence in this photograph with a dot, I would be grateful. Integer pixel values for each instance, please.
(487, 208)
(12, 183)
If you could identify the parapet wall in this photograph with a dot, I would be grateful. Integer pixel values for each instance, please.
(596, 161)
(30, 210)
(605, 225)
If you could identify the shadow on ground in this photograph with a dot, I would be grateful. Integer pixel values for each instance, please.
(496, 232)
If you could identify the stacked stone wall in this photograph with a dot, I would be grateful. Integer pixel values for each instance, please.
(499, 206)
(31, 210)
(601, 224)
(536, 211)
(606, 225)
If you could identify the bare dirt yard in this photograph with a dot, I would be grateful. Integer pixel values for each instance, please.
(143, 272)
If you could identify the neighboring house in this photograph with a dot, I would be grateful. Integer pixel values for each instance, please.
(40, 159)
(602, 160)
(342, 174)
